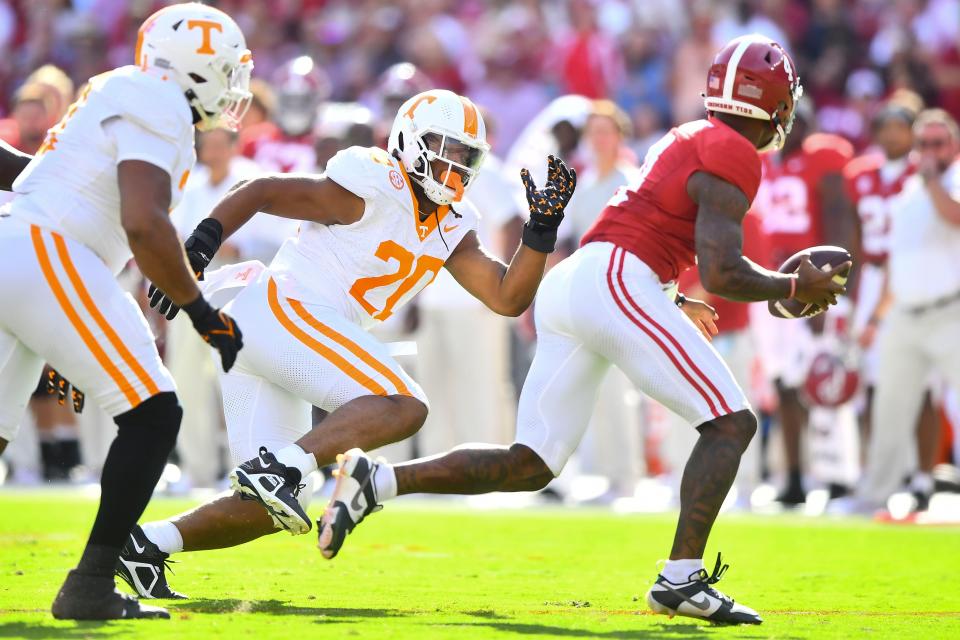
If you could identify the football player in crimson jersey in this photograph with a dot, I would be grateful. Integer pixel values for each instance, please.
(614, 302)
(802, 202)
(287, 145)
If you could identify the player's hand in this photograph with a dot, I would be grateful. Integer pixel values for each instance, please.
(547, 204)
(218, 329)
(703, 316)
(59, 385)
(200, 247)
(818, 287)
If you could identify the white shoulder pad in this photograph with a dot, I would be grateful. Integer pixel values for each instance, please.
(149, 102)
(468, 210)
(367, 172)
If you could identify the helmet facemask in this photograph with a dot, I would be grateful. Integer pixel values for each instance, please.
(461, 160)
(224, 108)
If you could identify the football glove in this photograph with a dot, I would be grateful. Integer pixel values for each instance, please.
(547, 204)
(201, 246)
(59, 385)
(217, 328)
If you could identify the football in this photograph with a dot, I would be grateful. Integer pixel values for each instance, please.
(824, 257)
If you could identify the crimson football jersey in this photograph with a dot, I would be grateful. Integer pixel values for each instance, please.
(275, 151)
(788, 200)
(872, 181)
(654, 217)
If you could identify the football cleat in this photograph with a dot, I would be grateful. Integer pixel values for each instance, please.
(89, 597)
(698, 599)
(352, 500)
(142, 566)
(275, 486)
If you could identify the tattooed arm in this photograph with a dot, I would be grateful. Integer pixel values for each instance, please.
(724, 271)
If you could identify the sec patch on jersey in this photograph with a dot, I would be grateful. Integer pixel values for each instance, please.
(824, 257)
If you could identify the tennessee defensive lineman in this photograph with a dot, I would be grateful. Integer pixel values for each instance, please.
(613, 302)
(97, 192)
(377, 228)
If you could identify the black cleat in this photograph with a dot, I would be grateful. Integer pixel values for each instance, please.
(89, 597)
(275, 486)
(697, 599)
(142, 566)
(792, 496)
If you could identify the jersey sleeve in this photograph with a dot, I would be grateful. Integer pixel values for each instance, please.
(359, 170)
(152, 104)
(133, 142)
(734, 160)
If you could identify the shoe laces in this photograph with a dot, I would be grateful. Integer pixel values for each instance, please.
(708, 579)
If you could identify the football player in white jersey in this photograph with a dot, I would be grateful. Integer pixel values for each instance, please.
(98, 192)
(377, 228)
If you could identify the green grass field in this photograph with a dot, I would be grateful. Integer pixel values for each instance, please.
(438, 570)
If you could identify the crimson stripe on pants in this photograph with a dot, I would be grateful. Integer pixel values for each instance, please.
(646, 330)
(686, 357)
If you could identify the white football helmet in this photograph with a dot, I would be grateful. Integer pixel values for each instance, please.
(440, 125)
(203, 50)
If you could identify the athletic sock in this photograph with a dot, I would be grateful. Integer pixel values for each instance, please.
(384, 482)
(294, 456)
(165, 535)
(678, 571)
(98, 560)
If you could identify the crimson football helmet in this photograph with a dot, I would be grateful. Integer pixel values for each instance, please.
(300, 85)
(754, 77)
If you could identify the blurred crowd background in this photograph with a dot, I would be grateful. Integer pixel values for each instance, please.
(596, 81)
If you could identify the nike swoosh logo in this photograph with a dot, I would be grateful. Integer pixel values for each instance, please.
(355, 503)
(263, 462)
(447, 229)
(703, 604)
(137, 547)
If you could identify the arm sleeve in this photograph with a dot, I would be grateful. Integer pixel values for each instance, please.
(737, 163)
(133, 142)
(350, 169)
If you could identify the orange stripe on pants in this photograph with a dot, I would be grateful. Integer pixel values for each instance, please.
(350, 346)
(94, 312)
(335, 358)
(98, 353)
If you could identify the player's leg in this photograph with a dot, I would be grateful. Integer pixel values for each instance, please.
(258, 413)
(667, 357)
(555, 405)
(316, 354)
(85, 326)
(19, 370)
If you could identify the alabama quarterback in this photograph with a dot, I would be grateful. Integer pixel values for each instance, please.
(97, 192)
(377, 227)
(614, 302)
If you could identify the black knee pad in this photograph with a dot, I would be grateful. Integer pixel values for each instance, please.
(157, 418)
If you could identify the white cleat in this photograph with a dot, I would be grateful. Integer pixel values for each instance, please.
(353, 499)
(696, 598)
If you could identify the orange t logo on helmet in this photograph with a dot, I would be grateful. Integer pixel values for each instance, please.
(428, 98)
(206, 26)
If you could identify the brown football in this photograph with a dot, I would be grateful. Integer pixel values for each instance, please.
(824, 257)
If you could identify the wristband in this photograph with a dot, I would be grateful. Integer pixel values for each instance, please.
(209, 235)
(539, 237)
(198, 309)
(793, 288)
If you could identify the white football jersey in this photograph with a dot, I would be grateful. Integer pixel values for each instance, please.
(71, 184)
(372, 267)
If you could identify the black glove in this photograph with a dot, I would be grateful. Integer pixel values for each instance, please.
(547, 204)
(59, 385)
(201, 246)
(217, 328)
